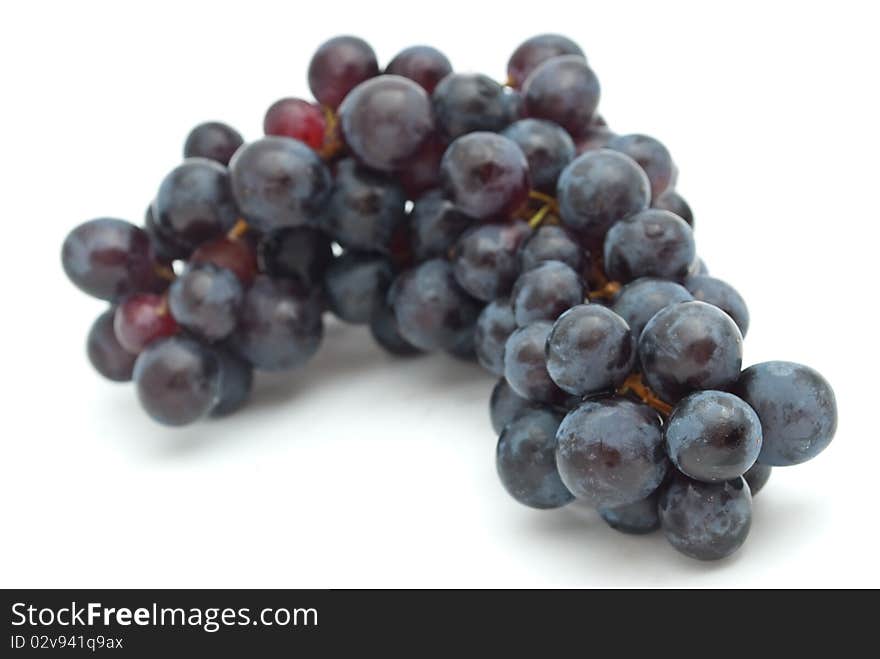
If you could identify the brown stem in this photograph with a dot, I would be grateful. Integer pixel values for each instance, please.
(635, 384)
(238, 229)
(164, 272)
(607, 291)
(332, 143)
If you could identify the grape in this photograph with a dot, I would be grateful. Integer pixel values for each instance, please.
(432, 311)
(495, 324)
(547, 147)
(690, 346)
(564, 90)
(610, 452)
(280, 324)
(383, 327)
(206, 300)
(212, 140)
(338, 66)
(513, 105)
(797, 409)
(385, 120)
(356, 284)
(421, 172)
(486, 175)
(464, 348)
(722, 295)
(364, 209)
(422, 64)
(485, 261)
(545, 291)
(596, 190)
(651, 243)
(590, 350)
(109, 259)
(299, 253)
(141, 319)
(105, 353)
(757, 477)
(713, 436)
(166, 248)
(638, 518)
(595, 137)
(706, 521)
(651, 155)
(525, 367)
(236, 381)
(468, 102)
(639, 300)
(698, 267)
(526, 460)
(436, 225)
(195, 202)
(279, 181)
(233, 254)
(296, 118)
(505, 405)
(553, 243)
(177, 380)
(535, 51)
(674, 203)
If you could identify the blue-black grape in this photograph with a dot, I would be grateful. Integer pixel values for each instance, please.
(651, 243)
(525, 459)
(383, 327)
(422, 64)
(141, 319)
(545, 291)
(338, 66)
(468, 102)
(553, 243)
(236, 382)
(722, 295)
(485, 258)
(356, 284)
(639, 300)
(651, 155)
(596, 137)
(166, 248)
(673, 202)
(421, 172)
(212, 140)
(563, 90)
(301, 253)
(505, 405)
(637, 518)
(797, 409)
(206, 300)
(105, 352)
(435, 225)
(494, 326)
(547, 147)
(757, 477)
(235, 254)
(534, 52)
(525, 366)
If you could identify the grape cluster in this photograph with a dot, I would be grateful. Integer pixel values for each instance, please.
(500, 223)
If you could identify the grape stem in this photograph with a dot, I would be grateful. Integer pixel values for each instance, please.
(546, 199)
(332, 143)
(536, 219)
(635, 384)
(238, 230)
(164, 272)
(605, 292)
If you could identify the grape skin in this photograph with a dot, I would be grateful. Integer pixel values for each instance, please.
(637, 518)
(640, 300)
(545, 291)
(338, 66)
(553, 243)
(105, 352)
(234, 254)
(652, 156)
(468, 102)
(722, 295)
(301, 253)
(212, 140)
(436, 224)
(563, 90)
(206, 300)
(236, 381)
(673, 202)
(298, 119)
(547, 147)
(525, 366)
(383, 327)
(141, 319)
(505, 405)
(534, 52)
(757, 477)
(355, 285)
(651, 243)
(423, 65)
(494, 326)
(485, 259)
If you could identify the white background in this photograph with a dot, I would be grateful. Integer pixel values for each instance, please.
(362, 470)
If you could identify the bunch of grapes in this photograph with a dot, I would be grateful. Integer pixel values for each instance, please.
(503, 223)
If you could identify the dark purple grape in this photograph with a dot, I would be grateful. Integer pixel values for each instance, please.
(338, 66)
(212, 140)
(674, 203)
(177, 380)
(690, 346)
(545, 291)
(421, 172)
(590, 350)
(494, 326)
(513, 104)
(757, 477)
(797, 408)
(564, 90)
(547, 147)
(207, 299)
(469, 102)
(706, 521)
(525, 459)
(436, 224)
(234, 254)
(535, 51)
(505, 405)
(385, 120)
(432, 311)
(486, 175)
(713, 436)
(300, 253)
(553, 243)
(279, 181)
(637, 518)
(525, 366)
(355, 285)
(166, 248)
(236, 382)
(465, 348)
(105, 352)
(299, 119)
(596, 137)
(141, 319)
(651, 155)
(639, 300)
(651, 243)
(383, 327)
(722, 295)
(610, 452)
(484, 259)
(422, 64)
(109, 259)
(280, 325)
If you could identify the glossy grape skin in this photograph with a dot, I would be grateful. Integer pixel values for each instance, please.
(757, 477)
(468, 102)
(355, 285)
(505, 405)
(207, 299)
(534, 52)
(706, 521)
(364, 209)
(637, 518)
(105, 352)
(195, 202)
(639, 300)
(674, 203)
(651, 243)
(383, 327)
(651, 155)
(525, 366)
(177, 380)
(338, 66)
(141, 319)
(436, 224)
(485, 175)
(547, 147)
(109, 259)
(590, 350)
(280, 325)
(563, 90)
(690, 346)
(298, 119)
(797, 408)
(722, 295)
(713, 436)
(610, 452)
(165, 247)
(485, 259)
(301, 253)
(234, 254)
(385, 120)
(545, 291)
(553, 243)
(525, 459)
(421, 172)
(212, 140)
(424, 65)
(236, 381)
(596, 190)
(494, 326)
(432, 310)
